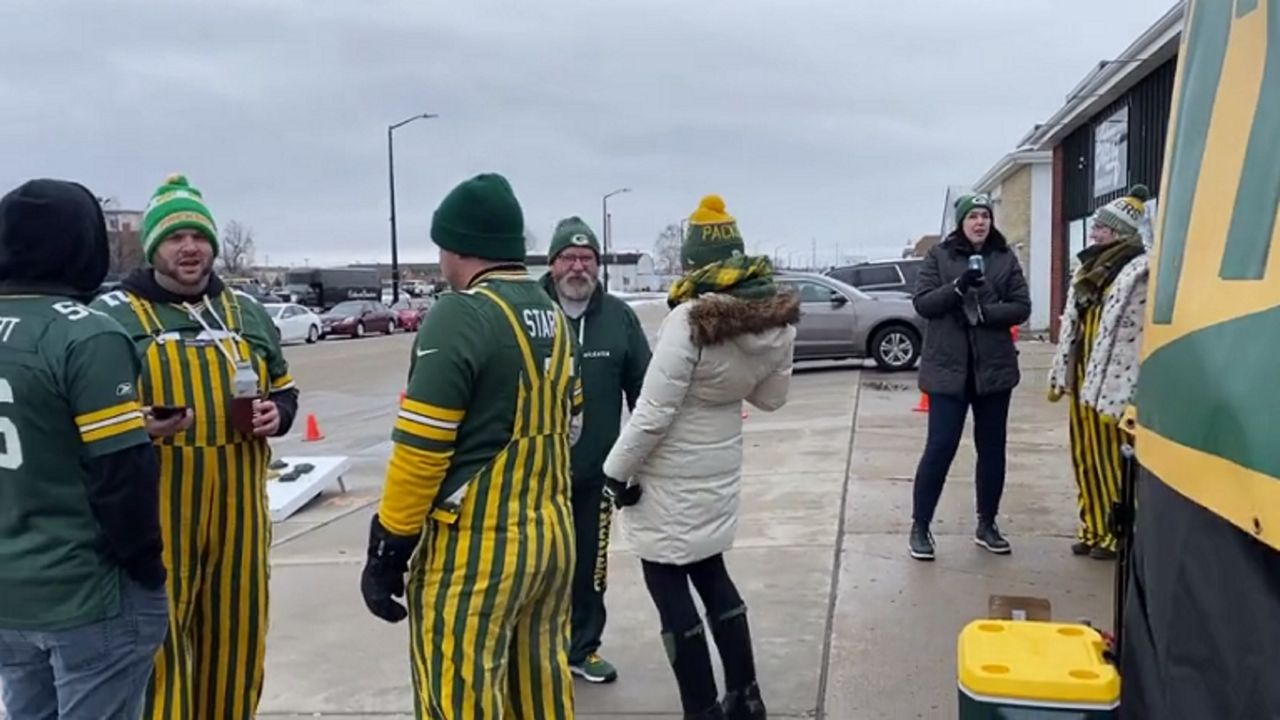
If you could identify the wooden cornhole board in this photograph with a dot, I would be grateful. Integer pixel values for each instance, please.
(286, 498)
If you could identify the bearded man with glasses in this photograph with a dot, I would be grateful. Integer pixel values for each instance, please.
(615, 355)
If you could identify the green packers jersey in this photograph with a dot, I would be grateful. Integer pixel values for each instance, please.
(190, 352)
(68, 393)
(465, 384)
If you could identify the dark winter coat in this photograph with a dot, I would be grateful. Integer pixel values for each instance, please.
(972, 331)
(615, 356)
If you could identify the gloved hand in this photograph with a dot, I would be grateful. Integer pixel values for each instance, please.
(1055, 394)
(622, 494)
(970, 279)
(384, 569)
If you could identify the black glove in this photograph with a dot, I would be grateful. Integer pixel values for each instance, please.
(620, 493)
(384, 569)
(970, 279)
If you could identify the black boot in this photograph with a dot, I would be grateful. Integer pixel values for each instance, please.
(989, 537)
(712, 713)
(733, 639)
(921, 542)
(691, 661)
(745, 704)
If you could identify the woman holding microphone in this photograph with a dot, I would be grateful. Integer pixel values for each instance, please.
(972, 291)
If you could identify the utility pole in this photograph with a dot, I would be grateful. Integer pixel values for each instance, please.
(391, 181)
(604, 228)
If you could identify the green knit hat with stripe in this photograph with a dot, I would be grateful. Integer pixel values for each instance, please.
(175, 206)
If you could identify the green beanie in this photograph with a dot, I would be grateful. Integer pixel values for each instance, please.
(175, 206)
(572, 232)
(712, 236)
(967, 203)
(481, 218)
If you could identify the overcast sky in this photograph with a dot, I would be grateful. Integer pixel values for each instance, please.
(840, 121)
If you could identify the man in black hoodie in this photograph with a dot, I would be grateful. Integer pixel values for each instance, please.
(615, 356)
(83, 606)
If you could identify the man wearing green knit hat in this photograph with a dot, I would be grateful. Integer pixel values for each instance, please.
(215, 386)
(479, 473)
(615, 355)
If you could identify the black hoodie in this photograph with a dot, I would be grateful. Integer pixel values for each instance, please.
(53, 241)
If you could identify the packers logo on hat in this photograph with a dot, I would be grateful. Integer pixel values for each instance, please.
(580, 239)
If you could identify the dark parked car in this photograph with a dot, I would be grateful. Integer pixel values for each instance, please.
(838, 321)
(354, 318)
(880, 275)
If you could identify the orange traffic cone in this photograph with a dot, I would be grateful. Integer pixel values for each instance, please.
(923, 405)
(313, 429)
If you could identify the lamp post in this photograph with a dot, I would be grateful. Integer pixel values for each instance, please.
(391, 181)
(604, 219)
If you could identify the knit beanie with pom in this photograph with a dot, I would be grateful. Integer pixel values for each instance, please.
(712, 236)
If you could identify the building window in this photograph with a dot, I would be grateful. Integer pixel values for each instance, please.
(1111, 153)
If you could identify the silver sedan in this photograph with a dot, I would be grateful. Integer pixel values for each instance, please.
(839, 321)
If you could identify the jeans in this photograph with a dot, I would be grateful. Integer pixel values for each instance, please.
(946, 426)
(97, 671)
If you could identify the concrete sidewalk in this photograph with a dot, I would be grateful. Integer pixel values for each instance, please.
(846, 625)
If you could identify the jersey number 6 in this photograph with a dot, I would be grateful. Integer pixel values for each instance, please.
(11, 455)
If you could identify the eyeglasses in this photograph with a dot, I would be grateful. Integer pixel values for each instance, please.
(571, 260)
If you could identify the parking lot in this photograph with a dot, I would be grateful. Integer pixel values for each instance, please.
(846, 625)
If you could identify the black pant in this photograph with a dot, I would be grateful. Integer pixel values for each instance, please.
(669, 587)
(684, 634)
(592, 517)
(946, 426)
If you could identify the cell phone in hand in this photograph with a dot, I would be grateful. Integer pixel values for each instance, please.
(165, 412)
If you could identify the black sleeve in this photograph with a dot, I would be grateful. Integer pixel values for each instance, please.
(1016, 306)
(934, 298)
(287, 405)
(124, 492)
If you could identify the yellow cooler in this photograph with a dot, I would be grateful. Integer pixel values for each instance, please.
(1022, 670)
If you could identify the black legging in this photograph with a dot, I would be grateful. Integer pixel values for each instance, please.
(669, 587)
(946, 426)
(726, 614)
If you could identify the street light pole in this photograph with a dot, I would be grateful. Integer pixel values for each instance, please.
(604, 219)
(391, 181)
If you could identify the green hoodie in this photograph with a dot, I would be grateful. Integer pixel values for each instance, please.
(615, 356)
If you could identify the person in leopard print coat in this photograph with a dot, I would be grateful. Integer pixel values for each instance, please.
(1096, 362)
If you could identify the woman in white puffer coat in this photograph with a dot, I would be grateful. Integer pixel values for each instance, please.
(676, 470)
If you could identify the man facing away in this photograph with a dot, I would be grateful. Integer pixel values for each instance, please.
(478, 481)
(83, 605)
(212, 361)
(615, 355)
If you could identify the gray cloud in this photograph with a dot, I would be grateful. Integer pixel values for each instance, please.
(836, 121)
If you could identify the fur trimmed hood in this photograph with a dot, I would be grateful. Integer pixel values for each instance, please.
(716, 317)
